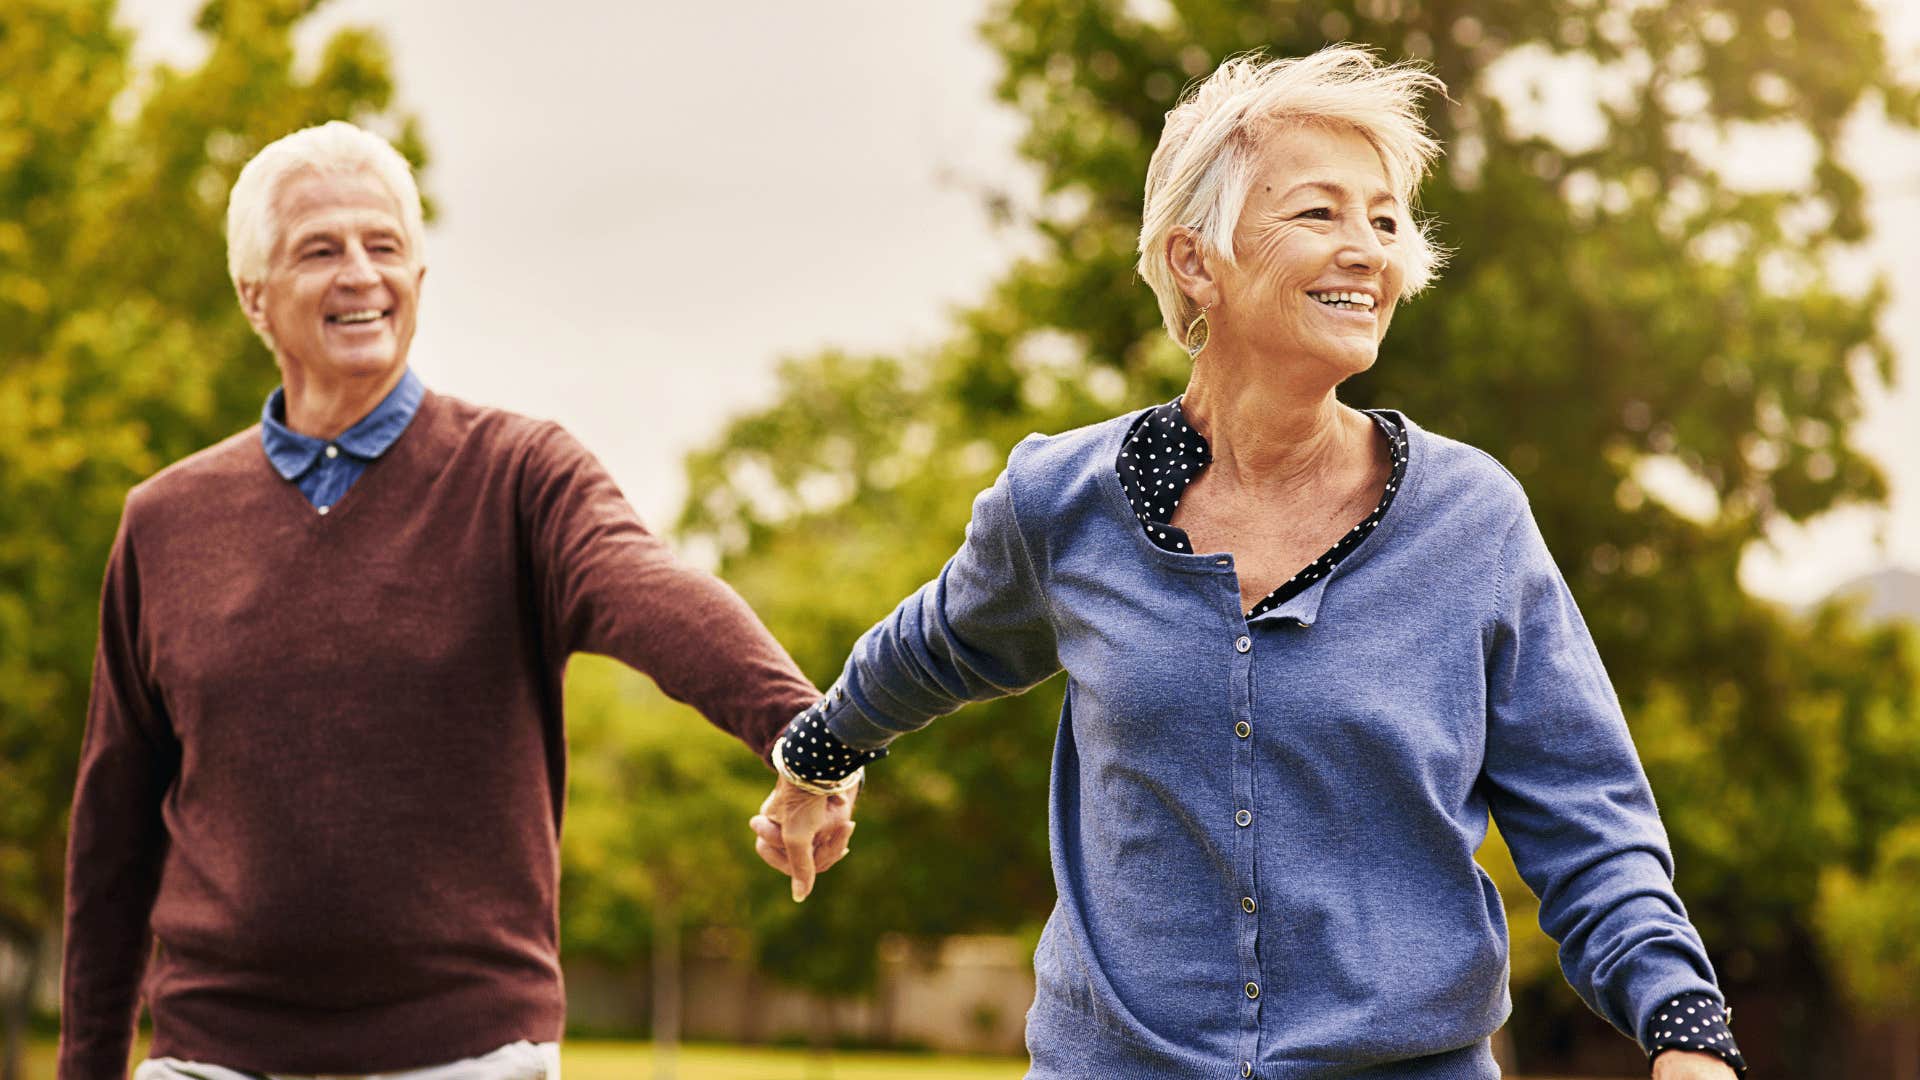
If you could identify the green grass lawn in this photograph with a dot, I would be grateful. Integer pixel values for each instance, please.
(590, 1060)
(587, 1059)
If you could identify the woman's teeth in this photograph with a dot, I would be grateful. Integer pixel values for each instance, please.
(1345, 301)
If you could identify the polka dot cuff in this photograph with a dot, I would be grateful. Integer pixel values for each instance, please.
(813, 753)
(1694, 1022)
(1163, 456)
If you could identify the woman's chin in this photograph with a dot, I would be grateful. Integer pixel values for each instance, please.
(1351, 357)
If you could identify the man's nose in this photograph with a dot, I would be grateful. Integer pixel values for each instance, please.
(358, 270)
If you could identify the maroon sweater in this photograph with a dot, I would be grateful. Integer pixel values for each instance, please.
(325, 763)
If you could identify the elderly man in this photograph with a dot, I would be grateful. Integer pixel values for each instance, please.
(325, 761)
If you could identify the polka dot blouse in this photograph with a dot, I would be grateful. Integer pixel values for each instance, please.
(811, 752)
(1694, 1022)
(1163, 455)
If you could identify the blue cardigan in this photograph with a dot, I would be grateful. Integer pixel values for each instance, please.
(1263, 833)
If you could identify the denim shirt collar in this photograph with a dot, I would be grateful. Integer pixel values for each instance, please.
(292, 453)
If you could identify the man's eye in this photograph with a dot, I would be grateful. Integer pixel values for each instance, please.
(316, 253)
(1387, 224)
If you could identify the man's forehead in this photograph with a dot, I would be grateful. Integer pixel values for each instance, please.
(311, 204)
(338, 200)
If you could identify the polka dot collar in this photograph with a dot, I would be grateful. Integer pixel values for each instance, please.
(1163, 455)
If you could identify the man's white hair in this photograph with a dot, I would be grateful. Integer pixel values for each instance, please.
(1202, 170)
(332, 148)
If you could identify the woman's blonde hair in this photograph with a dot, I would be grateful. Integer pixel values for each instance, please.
(1202, 170)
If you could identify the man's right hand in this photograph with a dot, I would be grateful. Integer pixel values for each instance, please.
(802, 834)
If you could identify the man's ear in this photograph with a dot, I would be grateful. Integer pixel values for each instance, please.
(1187, 258)
(253, 303)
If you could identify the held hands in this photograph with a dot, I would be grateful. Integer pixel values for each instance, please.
(1690, 1065)
(802, 834)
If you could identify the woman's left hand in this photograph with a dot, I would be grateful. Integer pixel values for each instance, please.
(1690, 1065)
(802, 834)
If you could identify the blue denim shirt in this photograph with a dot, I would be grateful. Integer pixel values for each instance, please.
(1263, 831)
(322, 470)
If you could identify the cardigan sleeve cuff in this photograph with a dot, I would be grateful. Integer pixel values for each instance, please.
(813, 752)
(1695, 1021)
(848, 722)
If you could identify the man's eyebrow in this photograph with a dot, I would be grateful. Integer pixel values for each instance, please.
(331, 234)
(309, 235)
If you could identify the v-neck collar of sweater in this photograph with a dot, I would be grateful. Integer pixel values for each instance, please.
(394, 453)
(370, 437)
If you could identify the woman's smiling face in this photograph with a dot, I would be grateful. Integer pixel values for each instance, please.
(1320, 251)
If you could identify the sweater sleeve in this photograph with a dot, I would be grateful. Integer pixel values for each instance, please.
(1568, 793)
(980, 630)
(607, 585)
(117, 840)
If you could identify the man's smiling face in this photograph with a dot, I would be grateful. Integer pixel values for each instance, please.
(343, 284)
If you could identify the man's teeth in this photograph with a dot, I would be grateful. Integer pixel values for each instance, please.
(1346, 301)
(356, 316)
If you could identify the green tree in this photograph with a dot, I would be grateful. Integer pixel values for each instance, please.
(656, 837)
(1873, 927)
(121, 346)
(1617, 311)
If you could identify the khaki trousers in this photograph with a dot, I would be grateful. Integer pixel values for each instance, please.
(516, 1061)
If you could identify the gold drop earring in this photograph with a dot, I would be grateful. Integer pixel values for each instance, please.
(1197, 333)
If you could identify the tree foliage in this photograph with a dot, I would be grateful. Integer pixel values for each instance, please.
(121, 346)
(658, 802)
(1657, 350)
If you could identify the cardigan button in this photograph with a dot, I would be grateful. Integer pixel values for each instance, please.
(1243, 643)
(1244, 818)
(1243, 729)
(1246, 1068)
(1247, 905)
(1253, 991)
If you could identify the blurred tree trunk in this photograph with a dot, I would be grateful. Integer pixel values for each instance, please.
(666, 987)
(16, 1001)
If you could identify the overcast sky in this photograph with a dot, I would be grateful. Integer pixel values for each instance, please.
(644, 206)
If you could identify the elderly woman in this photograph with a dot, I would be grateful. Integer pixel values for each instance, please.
(1308, 648)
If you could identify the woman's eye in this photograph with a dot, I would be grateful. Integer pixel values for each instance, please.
(1320, 213)
(1387, 224)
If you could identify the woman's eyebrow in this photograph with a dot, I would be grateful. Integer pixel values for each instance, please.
(1338, 191)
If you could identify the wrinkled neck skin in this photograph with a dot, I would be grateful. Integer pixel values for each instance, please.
(323, 408)
(1274, 425)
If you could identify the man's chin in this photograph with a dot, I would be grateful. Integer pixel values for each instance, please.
(356, 365)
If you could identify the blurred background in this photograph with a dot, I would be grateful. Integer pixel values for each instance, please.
(802, 274)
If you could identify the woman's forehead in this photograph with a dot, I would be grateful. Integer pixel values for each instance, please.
(1338, 161)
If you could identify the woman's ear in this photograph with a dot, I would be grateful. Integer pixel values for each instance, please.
(1187, 258)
